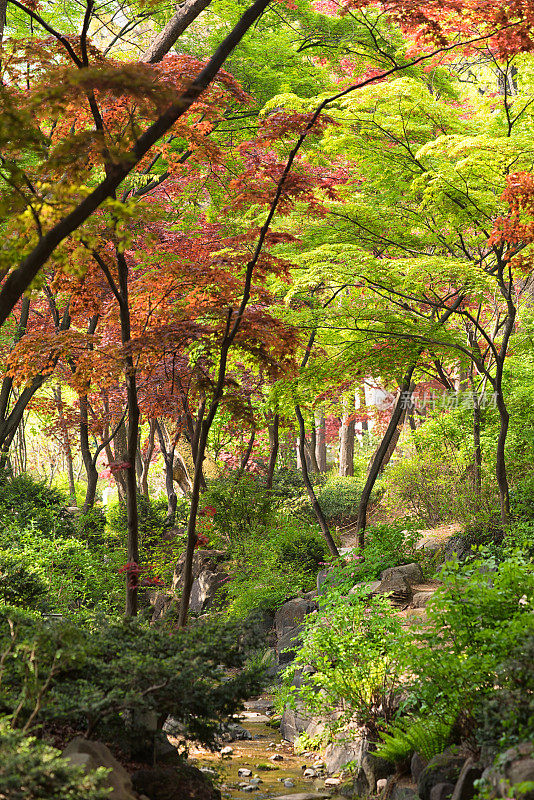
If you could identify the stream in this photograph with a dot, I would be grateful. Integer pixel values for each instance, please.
(264, 766)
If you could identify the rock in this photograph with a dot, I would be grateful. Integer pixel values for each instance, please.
(244, 773)
(515, 765)
(292, 614)
(381, 784)
(403, 793)
(249, 787)
(226, 751)
(417, 765)
(444, 768)
(465, 785)
(174, 783)
(316, 728)
(337, 756)
(459, 546)
(292, 724)
(365, 587)
(91, 755)
(376, 769)
(442, 791)
(287, 645)
(162, 603)
(397, 587)
(321, 578)
(288, 783)
(202, 560)
(412, 573)
(420, 599)
(164, 752)
(204, 590)
(256, 781)
(332, 781)
(309, 773)
(232, 732)
(173, 726)
(276, 757)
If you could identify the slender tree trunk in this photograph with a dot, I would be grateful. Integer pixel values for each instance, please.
(313, 449)
(346, 444)
(320, 445)
(311, 494)
(274, 444)
(186, 13)
(405, 394)
(146, 459)
(477, 476)
(500, 467)
(66, 444)
(168, 459)
(246, 455)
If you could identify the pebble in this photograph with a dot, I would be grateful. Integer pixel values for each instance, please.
(208, 771)
(244, 773)
(381, 785)
(276, 757)
(255, 781)
(248, 787)
(226, 751)
(332, 782)
(309, 773)
(288, 784)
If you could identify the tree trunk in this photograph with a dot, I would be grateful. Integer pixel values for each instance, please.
(311, 494)
(168, 459)
(405, 394)
(320, 441)
(246, 455)
(477, 476)
(146, 459)
(274, 443)
(500, 467)
(90, 466)
(346, 444)
(186, 13)
(66, 444)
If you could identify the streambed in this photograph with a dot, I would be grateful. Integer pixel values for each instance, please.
(271, 761)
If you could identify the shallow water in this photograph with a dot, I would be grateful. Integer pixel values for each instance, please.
(255, 754)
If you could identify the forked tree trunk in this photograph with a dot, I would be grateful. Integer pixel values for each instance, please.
(309, 488)
(405, 394)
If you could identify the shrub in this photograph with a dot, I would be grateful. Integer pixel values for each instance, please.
(476, 620)
(152, 520)
(505, 716)
(388, 545)
(242, 509)
(353, 654)
(20, 584)
(107, 675)
(91, 527)
(428, 737)
(32, 770)
(26, 502)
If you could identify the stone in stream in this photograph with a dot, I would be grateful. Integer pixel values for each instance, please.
(304, 796)
(226, 751)
(276, 757)
(248, 787)
(288, 783)
(244, 773)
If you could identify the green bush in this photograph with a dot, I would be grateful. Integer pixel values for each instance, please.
(352, 650)
(475, 622)
(387, 545)
(20, 584)
(152, 520)
(339, 498)
(106, 675)
(27, 502)
(242, 509)
(428, 737)
(75, 575)
(288, 483)
(505, 716)
(32, 770)
(91, 526)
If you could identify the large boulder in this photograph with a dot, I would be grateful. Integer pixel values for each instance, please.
(205, 589)
(92, 755)
(292, 724)
(288, 623)
(202, 560)
(412, 573)
(515, 765)
(397, 587)
(338, 755)
(174, 783)
(444, 768)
